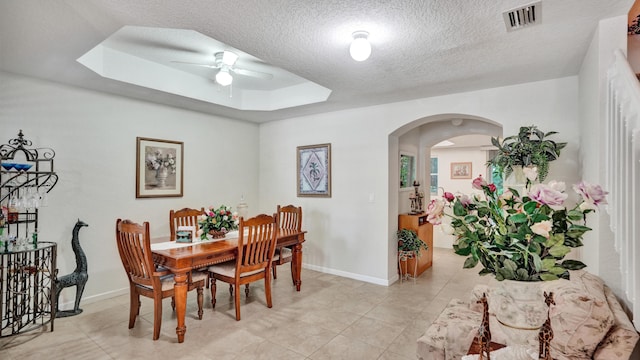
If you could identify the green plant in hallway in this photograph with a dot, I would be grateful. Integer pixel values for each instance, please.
(408, 240)
(531, 147)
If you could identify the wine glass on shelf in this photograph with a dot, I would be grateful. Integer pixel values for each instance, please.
(7, 165)
(32, 199)
(44, 198)
(22, 167)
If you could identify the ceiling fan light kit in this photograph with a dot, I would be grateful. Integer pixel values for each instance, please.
(228, 58)
(223, 77)
(360, 48)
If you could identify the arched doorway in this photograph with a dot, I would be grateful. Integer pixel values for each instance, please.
(417, 138)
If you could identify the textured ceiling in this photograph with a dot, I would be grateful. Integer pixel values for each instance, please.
(420, 48)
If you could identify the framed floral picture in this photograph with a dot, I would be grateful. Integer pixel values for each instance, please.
(314, 170)
(159, 170)
(461, 170)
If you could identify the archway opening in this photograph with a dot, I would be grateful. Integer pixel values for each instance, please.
(452, 168)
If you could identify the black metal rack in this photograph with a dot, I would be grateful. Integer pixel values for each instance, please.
(27, 266)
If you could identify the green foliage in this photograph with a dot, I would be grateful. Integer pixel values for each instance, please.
(530, 147)
(501, 233)
(408, 240)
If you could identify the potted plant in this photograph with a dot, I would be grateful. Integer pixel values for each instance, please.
(520, 239)
(408, 240)
(531, 147)
(409, 245)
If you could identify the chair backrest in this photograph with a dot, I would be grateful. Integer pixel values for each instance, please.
(134, 246)
(256, 243)
(290, 217)
(183, 217)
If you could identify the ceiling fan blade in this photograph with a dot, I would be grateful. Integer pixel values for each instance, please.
(253, 73)
(212, 66)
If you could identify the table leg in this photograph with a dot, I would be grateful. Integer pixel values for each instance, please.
(180, 292)
(296, 265)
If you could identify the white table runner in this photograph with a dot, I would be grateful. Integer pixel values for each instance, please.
(175, 245)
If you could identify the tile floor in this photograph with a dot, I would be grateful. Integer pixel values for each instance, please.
(331, 318)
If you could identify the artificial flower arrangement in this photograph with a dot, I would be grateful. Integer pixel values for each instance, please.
(221, 220)
(156, 160)
(519, 236)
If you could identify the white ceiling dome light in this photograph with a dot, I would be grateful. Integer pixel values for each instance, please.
(360, 48)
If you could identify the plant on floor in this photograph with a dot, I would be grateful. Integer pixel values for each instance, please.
(531, 147)
(518, 237)
(408, 240)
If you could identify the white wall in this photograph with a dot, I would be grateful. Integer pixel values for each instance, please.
(599, 253)
(352, 236)
(94, 136)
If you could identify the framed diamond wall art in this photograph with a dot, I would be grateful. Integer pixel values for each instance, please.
(314, 170)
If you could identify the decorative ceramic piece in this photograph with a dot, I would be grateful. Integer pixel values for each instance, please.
(520, 311)
(217, 234)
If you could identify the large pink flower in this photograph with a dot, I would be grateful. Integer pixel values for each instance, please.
(550, 195)
(435, 211)
(465, 200)
(479, 182)
(591, 194)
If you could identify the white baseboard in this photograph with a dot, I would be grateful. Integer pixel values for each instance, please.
(93, 298)
(349, 275)
(111, 294)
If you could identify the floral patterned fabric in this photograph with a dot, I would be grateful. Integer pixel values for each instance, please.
(581, 317)
(450, 335)
(587, 320)
(622, 337)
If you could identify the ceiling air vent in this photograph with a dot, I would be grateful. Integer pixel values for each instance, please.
(522, 16)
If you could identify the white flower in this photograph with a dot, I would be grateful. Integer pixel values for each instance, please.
(542, 228)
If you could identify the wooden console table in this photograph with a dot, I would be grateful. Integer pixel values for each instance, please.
(424, 229)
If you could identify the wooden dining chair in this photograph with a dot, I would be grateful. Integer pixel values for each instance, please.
(134, 246)
(184, 217)
(256, 245)
(290, 218)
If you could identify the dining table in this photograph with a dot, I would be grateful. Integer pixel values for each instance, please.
(181, 258)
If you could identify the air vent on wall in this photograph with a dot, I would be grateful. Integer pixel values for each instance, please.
(523, 16)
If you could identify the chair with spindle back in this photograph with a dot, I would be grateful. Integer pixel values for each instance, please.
(134, 246)
(184, 217)
(290, 218)
(256, 244)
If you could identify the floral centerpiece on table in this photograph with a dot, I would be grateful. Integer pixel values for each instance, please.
(519, 236)
(218, 221)
(156, 160)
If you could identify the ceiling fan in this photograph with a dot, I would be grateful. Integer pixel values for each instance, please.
(225, 61)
